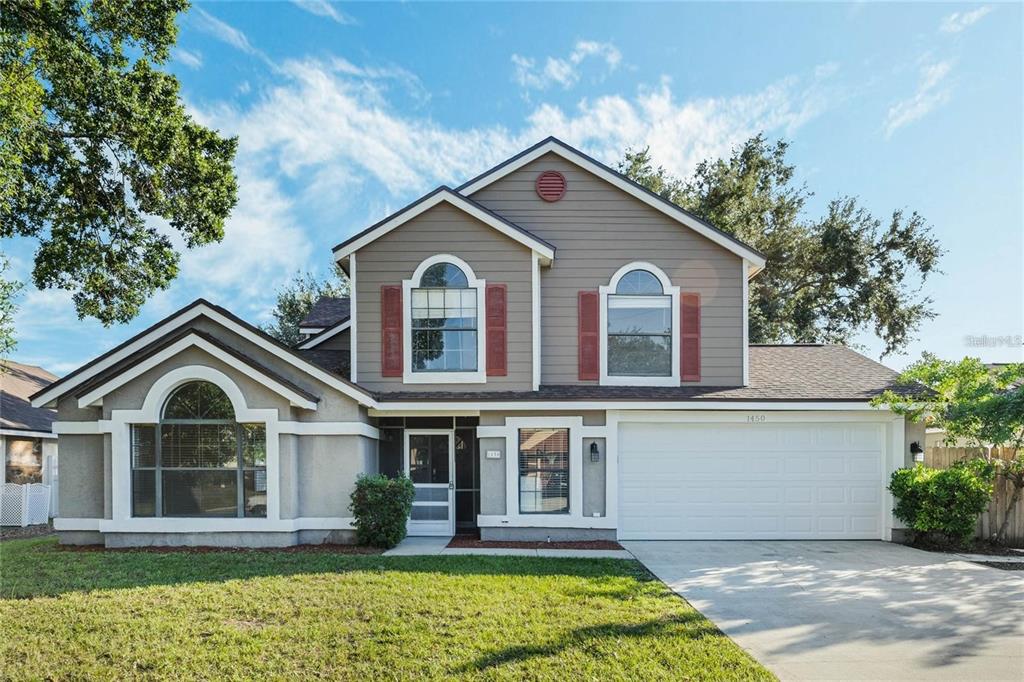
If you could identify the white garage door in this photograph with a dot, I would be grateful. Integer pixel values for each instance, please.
(689, 481)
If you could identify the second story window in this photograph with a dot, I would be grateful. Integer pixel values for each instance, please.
(639, 327)
(444, 321)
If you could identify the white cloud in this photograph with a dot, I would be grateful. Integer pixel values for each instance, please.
(563, 71)
(958, 21)
(324, 8)
(224, 32)
(192, 60)
(332, 125)
(932, 92)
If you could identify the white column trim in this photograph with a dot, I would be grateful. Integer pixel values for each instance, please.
(535, 298)
(353, 334)
(746, 323)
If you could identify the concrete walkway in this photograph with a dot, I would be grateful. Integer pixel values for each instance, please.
(852, 610)
(439, 547)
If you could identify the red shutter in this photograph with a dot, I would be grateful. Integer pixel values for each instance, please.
(589, 340)
(496, 301)
(391, 330)
(689, 337)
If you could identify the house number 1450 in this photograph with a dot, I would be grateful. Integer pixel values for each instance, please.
(757, 418)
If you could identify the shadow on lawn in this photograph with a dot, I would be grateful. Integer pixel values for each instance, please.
(690, 625)
(41, 568)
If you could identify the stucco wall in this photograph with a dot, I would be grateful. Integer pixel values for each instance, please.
(327, 472)
(86, 461)
(81, 477)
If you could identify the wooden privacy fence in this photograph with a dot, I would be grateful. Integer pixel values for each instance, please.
(988, 522)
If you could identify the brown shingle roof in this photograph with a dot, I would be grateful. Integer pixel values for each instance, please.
(802, 372)
(327, 312)
(17, 382)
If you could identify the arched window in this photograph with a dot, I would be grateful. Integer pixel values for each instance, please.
(444, 321)
(198, 461)
(639, 332)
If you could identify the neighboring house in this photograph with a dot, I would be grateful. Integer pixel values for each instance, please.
(26, 439)
(549, 351)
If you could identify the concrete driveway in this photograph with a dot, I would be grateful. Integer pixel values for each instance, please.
(852, 610)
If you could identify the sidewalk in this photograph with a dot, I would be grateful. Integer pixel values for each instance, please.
(439, 547)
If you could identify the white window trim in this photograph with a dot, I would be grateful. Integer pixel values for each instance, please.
(353, 287)
(670, 291)
(746, 322)
(476, 377)
(577, 432)
(323, 335)
(535, 301)
(120, 435)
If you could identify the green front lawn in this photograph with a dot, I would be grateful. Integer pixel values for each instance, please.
(72, 614)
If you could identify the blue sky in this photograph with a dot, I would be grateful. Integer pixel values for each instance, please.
(346, 112)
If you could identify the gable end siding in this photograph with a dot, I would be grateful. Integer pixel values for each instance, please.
(493, 257)
(598, 228)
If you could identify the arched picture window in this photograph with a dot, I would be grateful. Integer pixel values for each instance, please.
(639, 327)
(198, 461)
(444, 321)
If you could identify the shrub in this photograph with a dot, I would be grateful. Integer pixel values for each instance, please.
(943, 501)
(381, 506)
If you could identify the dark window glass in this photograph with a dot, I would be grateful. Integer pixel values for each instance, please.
(543, 471)
(198, 400)
(639, 356)
(428, 458)
(200, 493)
(640, 328)
(639, 282)
(428, 422)
(144, 493)
(444, 321)
(389, 452)
(255, 493)
(444, 275)
(198, 460)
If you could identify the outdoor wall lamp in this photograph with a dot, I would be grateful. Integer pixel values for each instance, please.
(916, 451)
(595, 454)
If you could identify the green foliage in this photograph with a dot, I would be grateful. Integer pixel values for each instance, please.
(967, 399)
(826, 278)
(296, 299)
(381, 507)
(100, 162)
(8, 291)
(943, 501)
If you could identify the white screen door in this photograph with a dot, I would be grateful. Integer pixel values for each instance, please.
(430, 464)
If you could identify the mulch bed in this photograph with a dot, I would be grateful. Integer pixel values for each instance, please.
(975, 547)
(20, 533)
(1003, 565)
(474, 542)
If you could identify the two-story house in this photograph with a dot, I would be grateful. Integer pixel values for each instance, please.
(548, 351)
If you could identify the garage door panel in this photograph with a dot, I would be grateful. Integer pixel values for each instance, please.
(759, 481)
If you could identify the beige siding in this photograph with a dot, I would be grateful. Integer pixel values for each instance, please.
(493, 257)
(598, 228)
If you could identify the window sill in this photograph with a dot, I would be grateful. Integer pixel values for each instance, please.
(639, 381)
(477, 377)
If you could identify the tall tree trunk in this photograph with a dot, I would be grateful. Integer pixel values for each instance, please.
(1018, 485)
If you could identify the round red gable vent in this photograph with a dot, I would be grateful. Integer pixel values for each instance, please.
(551, 185)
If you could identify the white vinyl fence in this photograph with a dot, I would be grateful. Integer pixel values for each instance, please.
(24, 505)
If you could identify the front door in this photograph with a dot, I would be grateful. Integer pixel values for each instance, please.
(429, 463)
